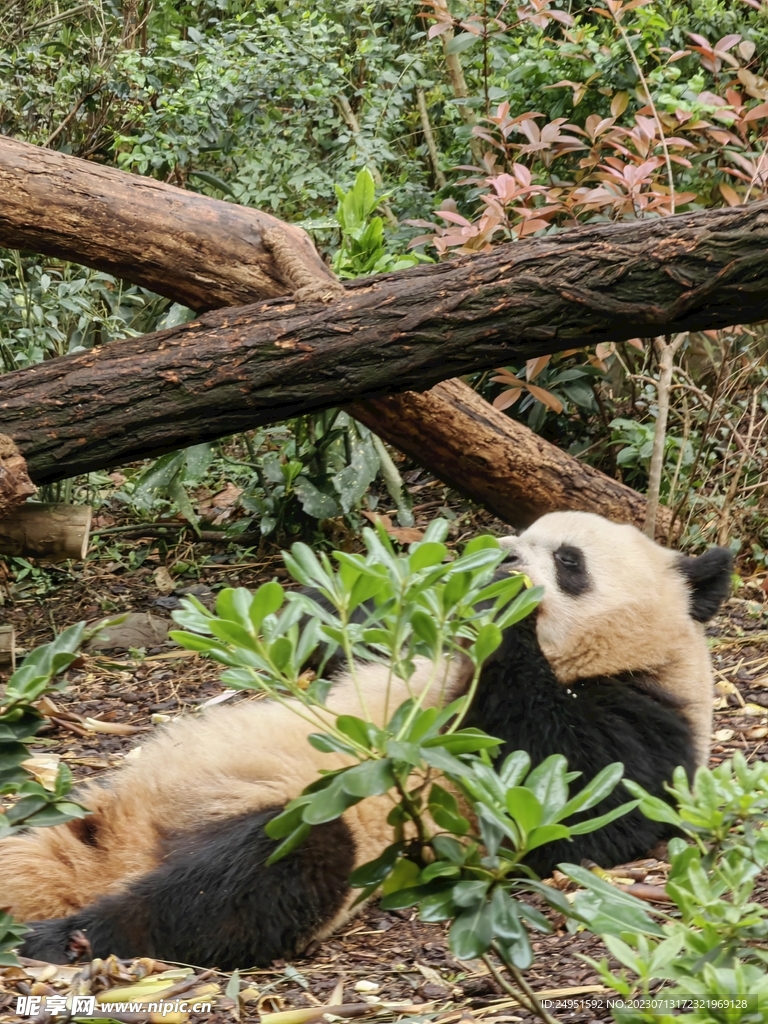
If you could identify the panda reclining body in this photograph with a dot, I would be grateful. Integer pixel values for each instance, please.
(613, 667)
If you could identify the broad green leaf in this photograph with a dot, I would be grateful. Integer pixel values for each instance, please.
(467, 894)
(404, 875)
(371, 778)
(547, 781)
(329, 803)
(653, 807)
(329, 744)
(464, 741)
(358, 730)
(424, 627)
(459, 44)
(288, 845)
(266, 601)
(524, 807)
(472, 932)
(488, 639)
(439, 869)
(427, 554)
(507, 925)
(515, 767)
(375, 871)
(596, 790)
(592, 824)
(437, 907)
(546, 834)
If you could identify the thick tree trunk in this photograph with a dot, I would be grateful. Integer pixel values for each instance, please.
(198, 251)
(239, 368)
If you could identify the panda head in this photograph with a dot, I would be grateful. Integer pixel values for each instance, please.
(614, 601)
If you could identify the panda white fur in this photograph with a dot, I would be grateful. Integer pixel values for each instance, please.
(170, 864)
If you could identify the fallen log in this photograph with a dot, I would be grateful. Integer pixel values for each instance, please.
(499, 457)
(238, 368)
(7, 649)
(51, 533)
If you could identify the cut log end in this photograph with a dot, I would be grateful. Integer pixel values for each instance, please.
(7, 649)
(52, 533)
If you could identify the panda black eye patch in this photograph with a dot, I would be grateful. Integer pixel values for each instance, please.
(571, 568)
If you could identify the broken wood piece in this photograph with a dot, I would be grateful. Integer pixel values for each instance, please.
(51, 533)
(7, 648)
(15, 485)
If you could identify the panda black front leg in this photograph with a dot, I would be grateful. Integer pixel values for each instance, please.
(214, 902)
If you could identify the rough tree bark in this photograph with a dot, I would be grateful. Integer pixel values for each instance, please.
(238, 368)
(174, 242)
(15, 485)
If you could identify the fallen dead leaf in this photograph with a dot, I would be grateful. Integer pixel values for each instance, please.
(723, 734)
(163, 580)
(112, 728)
(45, 768)
(754, 710)
(404, 534)
(224, 499)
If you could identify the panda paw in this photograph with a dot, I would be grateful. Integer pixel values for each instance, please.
(58, 941)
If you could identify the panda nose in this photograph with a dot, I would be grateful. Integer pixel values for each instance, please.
(511, 558)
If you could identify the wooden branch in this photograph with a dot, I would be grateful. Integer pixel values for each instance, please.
(239, 368)
(175, 242)
(501, 463)
(52, 533)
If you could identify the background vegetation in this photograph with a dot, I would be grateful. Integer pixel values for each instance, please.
(403, 130)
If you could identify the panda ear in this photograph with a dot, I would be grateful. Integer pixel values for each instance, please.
(709, 577)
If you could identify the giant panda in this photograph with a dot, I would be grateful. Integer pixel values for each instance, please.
(614, 666)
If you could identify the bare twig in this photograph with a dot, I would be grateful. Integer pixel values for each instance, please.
(666, 352)
(86, 95)
(730, 494)
(429, 138)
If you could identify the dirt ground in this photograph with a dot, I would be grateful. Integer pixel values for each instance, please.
(379, 958)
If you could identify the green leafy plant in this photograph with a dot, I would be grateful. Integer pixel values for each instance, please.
(363, 246)
(318, 467)
(168, 478)
(711, 947)
(19, 723)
